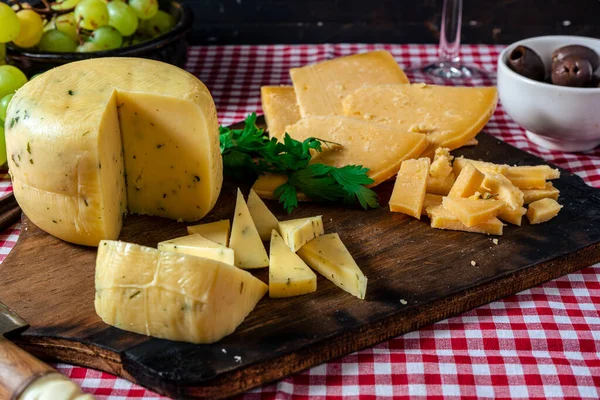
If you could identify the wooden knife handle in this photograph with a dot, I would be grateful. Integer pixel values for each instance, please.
(24, 377)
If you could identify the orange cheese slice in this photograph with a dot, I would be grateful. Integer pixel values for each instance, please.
(443, 219)
(409, 190)
(320, 88)
(531, 195)
(468, 182)
(280, 108)
(450, 116)
(531, 177)
(473, 212)
(512, 216)
(543, 210)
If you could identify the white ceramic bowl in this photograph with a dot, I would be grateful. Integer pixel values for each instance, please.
(556, 117)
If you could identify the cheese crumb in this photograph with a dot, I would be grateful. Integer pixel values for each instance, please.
(403, 302)
(495, 241)
(180, 220)
(473, 263)
(237, 359)
(224, 351)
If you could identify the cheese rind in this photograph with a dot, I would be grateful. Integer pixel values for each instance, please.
(280, 108)
(217, 231)
(263, 218)
(543, 210)
(199, 246)
(468, 182)
(328, 256)
(297, 232)
(443, 219)
(320, 88)
(549, 191)
(288, 274)
(409, 189)
(245, 241)
(472, 212)
(170, 295)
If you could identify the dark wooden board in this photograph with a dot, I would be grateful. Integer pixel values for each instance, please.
(51, 284)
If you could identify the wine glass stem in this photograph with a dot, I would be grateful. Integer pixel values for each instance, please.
(450, 31)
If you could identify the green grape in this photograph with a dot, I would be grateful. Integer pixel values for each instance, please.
(32, 29)
(9, 22)
(87, 47)
(3, 156)
(35, 76)
(106, 38)
(161, 23)
(144, 9)
(4, 105)
(122, 17)
(62, 5)
(91, 14)
(57, 42)
(11, 79)
(67, 25)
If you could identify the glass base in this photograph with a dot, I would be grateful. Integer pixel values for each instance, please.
(449, 70)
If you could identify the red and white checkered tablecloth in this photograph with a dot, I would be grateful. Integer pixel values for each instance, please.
(538, 344)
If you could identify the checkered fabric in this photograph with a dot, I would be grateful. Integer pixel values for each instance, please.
(541, 343)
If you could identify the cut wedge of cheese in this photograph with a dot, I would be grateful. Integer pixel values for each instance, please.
(377, 147)
(92, 139)
(531, 177)
(217, 231)
(483, 166)
(409, 190)
(245, 241)
(170, 295)
(320, 88)
(468, 182)
(472, 212)
(531, 195)
(280, 108)
(266, 185)
(199, 246)
(450, 116)
(431, 200)
(288, 274)
(297, 232)
(513, 216)
(328, 256)
(444, 219)
(263, 218)
(543, 210)
(503, 189)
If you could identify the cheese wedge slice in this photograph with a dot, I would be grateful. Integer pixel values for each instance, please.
(263, 218)
(217, 231)
(328, 256)
(450, 116)
(499, 186)
(543, 210)
(513, 216)
(199, 246)
(409, 190)
(531, 195)
(431, 200)
(468, 182)
(472, 212)
(280, 108)
(297, 232)
(170, 295)
(320, 88)
(288, 274)
(377, 147)
(444, 219)
(245, 241)
(90, 140)
(483, 166)
(531, 177)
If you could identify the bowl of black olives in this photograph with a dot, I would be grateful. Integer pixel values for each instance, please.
(550, 85)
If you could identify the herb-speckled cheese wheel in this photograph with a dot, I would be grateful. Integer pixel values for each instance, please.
(89, 140)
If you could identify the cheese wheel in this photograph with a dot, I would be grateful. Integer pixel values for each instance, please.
(89, 140)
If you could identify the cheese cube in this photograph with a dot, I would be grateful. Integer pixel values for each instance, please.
(503, 189)
(245, 241)
(217, 231)
(280, 107)
(482, 166)
(409, 189)
(431, 200)
(297, 232)
(443, 219)
(199, 246)
(328, 256)
(263, 218)
(531, 177)
(320, 88)
(549, 191)
(543, 210)
(513, 216)
(472, 212)
(440, 186)
(441, 166)
(288, 274)
(468, 182)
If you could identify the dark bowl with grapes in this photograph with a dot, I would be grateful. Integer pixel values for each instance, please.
(170, 47)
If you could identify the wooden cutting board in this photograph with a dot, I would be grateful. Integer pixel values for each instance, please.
(417, 275)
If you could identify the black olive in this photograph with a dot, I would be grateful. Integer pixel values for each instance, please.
(572, 71)
(576, 50)
(524, 61)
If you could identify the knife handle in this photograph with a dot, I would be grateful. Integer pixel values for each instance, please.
(24, 377)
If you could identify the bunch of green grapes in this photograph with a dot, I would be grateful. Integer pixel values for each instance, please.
(11, 79)
(82, 25)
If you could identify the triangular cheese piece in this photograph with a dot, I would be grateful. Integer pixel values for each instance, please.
(328, 256)
(264, 220)
(297, 232)
(450, 116)
(280, 107)
(245, 240)
(288, 274)
(217, 231)
(199, 246)
(472, 212)
(468, 182)
(443, 219)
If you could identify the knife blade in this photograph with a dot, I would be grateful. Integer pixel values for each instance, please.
(24, 377)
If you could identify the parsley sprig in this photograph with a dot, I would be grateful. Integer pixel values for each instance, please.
(248, 153)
